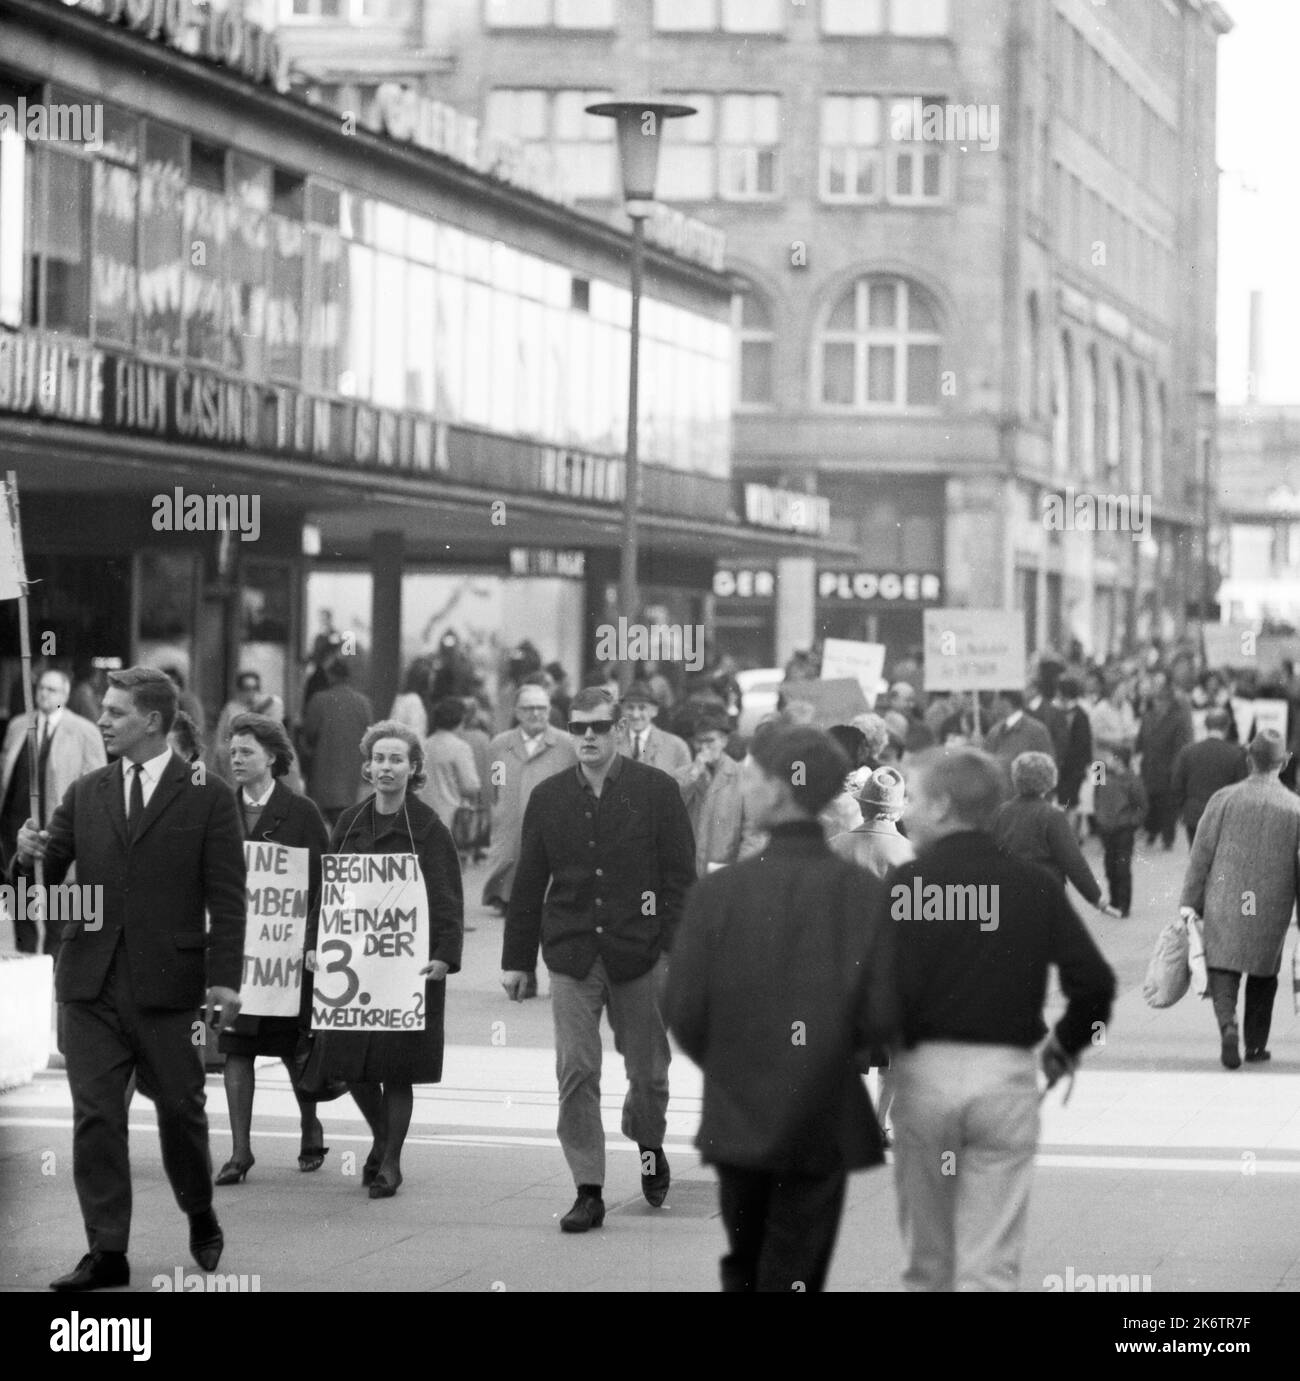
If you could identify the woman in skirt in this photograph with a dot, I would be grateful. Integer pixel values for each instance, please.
(382, 1066)
(260, 754)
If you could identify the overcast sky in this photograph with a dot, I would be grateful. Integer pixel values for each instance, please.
(1259, 208)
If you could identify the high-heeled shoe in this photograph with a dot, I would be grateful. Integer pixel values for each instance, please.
(383, 1187)
(312, 1158)
(233, 1171)
(371, 1168)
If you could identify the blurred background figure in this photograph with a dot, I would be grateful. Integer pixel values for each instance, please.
(452, 782)
(411, 704)
(249, 699)
(333, 724)
(184, 738)
(473, 730)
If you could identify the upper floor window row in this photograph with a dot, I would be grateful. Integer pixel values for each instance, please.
(903, 18)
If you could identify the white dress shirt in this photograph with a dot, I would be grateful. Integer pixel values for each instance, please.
(266, 796)
(149, 778)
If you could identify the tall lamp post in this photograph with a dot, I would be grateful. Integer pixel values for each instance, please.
(1206, 436)
(640, 127)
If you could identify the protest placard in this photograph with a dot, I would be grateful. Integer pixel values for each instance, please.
(276, 930)
(863, 661)
(974, 649)
(827, 702)
(1229, 645)
(373, 942)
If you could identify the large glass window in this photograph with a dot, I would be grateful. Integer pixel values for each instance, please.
(917, 167)
(116, 195)
(557, 124)
(205, 237)
(880, 348)
(421, 315)
(391, 305)
(162, 256)
(481, 363)
(284, 299)
(59, 275)
(356, 378)
(1062, 405)
(247, 245)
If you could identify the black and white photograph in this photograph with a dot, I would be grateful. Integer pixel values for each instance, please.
(666, 632)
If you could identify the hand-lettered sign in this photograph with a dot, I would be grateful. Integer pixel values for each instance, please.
(276, 929)
(373, 942)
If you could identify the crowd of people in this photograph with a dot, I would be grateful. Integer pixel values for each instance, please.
(798, 909)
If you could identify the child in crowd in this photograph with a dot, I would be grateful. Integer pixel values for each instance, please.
(1119, 808)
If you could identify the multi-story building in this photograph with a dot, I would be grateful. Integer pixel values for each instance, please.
(263, 373)
(977, 244)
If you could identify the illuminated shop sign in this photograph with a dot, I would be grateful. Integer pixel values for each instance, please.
(546, 561)
(222, 36)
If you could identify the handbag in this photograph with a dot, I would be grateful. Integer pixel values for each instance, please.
(309, 1075)
(1170, 972)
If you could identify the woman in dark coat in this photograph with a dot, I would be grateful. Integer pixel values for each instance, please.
(260, 754)
(381, 1067)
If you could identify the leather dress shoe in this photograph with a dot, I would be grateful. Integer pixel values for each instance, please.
(1254, 1057)
(1229, 1052)
(206, 1239)
(97, 1270)
(655, 1186)
(588, 1212)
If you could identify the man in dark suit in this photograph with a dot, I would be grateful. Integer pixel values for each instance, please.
(611, 840)
(164, 849)
(781, 979)
(1201, 769)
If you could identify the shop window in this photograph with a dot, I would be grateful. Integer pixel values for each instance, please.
(58, 263)
(162, 256)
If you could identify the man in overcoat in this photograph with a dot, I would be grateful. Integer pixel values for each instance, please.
(1243, 879)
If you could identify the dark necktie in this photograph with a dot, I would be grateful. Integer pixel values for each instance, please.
(137, 799)
(636, 748)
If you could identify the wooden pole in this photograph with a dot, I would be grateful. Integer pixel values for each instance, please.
(977, 731)
(25, 648)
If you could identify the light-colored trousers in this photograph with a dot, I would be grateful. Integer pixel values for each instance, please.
(640, 1038)
(965, 1134)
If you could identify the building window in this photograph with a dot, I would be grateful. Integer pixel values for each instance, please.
(916, 168)
(880, 348)
(1089, 404)
(753, 327)
(1139, 425)
(1062, 405)
(906, 18)
(730, 16)
(347, 11)
(687, 157)
(1033, 362)
(547, 14)
(1156, 446)
(851, 156)
(557, 122)
(1114, 419)
(748, 147)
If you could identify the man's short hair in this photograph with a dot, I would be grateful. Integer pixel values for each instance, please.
(449, 713)
(592, 698)
(150, 690)
(852, 742)
(1266, 750)
(1070, 688)
(337, 670)
(971, 780)
(531, 685)
(60, 673)
(810, 760)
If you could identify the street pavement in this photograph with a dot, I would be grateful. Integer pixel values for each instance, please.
(1162, 1168)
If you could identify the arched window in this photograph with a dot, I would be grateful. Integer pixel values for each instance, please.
(1033, 362)
(1089, 415)
(879, 349)
(753, 323)
(1140, 422)
(1114, 419)
(1062, 404)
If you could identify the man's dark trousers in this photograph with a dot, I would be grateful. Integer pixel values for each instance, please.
(781, 1228)
(1225, 984)
(105, 1040)
(1117, 852)
(1162, 817)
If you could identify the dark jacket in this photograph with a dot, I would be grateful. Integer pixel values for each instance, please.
(1075, 756)
(617, 870)
(1120, 801)
(781, 975)
(1054, 721)
(333, 726)
(1039, 832)
(1161, 734)
(959, 982)
(1027, 735)
(175, 894)
(1201, 769)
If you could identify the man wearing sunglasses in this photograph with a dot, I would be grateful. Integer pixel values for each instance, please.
(612, 841)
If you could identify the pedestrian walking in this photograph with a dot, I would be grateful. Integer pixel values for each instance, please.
(260, 759)
(606, 858)
(1076, 751)
(972, 973)
(248, 699)
(168, 854)
(1033, 827)
(473, 732)
(1119, 808)
(521, 758)
(411, 704)
(1016, 732)
(1242, 880)
(780, 981)
(452, 781)
(722, 821)
(1201, 769)
(646, 741)
(382, 1067)
(332, 726)
(1165, 728)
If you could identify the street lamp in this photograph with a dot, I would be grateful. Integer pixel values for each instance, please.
(1208, 396)
(640, 125)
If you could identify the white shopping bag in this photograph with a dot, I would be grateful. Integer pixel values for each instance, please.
(1196, 958)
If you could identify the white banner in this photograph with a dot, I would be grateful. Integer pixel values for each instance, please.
(373, 942)
(278, 886)
(863, 661)
(9, 584)
(974, 649)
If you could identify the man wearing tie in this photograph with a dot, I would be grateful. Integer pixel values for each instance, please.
(68, 748)
(165, 849)
(645, 741)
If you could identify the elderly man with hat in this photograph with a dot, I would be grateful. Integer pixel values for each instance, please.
(645, 741)
(1242, 879)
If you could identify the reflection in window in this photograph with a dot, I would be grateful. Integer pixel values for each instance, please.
(479, 361)
(59, 256)
(116, 190)
(205, 232)
(880, 347)
(421, 313)
(284, 300)
(450, 338)
(327, 296)
(390, 332)
(356, 377)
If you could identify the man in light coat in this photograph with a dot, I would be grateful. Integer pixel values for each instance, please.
(646, 741)
(68, 748)
(723, 821)
(518, 760)
(1243, 878)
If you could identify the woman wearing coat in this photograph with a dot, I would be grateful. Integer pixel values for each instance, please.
(1243, 879)
(260, 754)
(382, 1066)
